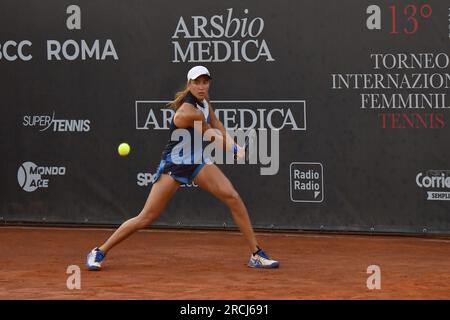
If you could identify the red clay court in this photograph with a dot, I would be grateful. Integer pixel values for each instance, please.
(189, 264)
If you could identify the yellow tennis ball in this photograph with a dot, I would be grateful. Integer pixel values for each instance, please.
(124, 149)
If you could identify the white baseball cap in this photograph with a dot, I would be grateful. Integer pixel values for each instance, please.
(198, 71)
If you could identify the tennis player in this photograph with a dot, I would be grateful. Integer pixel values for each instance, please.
(192, 105)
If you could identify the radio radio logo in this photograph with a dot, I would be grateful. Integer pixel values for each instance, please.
(306, 180)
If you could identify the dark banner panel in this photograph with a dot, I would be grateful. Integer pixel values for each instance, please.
(352, 95)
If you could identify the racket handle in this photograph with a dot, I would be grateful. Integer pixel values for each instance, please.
(235, 149)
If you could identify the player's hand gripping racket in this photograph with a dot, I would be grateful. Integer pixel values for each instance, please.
(250, 138)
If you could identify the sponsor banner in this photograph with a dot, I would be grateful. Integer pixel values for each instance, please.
(226, 36)
(371, 110)
(437, 180)
(61, 50)
(239, 114)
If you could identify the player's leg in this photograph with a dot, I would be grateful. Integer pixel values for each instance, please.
(158, 198)
(160, 194)
(211, 179)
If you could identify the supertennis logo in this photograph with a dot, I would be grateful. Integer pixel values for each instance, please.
(46, 122)
(32, 177)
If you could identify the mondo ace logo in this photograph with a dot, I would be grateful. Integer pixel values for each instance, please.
(220, 38)
(31, 176)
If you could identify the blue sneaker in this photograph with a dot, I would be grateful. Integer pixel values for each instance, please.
(261, 260)
(95, 259)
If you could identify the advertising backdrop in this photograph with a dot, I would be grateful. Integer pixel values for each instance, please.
(357, 92)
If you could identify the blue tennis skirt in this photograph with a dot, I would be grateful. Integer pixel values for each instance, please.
(182, 173)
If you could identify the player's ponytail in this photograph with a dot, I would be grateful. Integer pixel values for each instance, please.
(179, 97)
